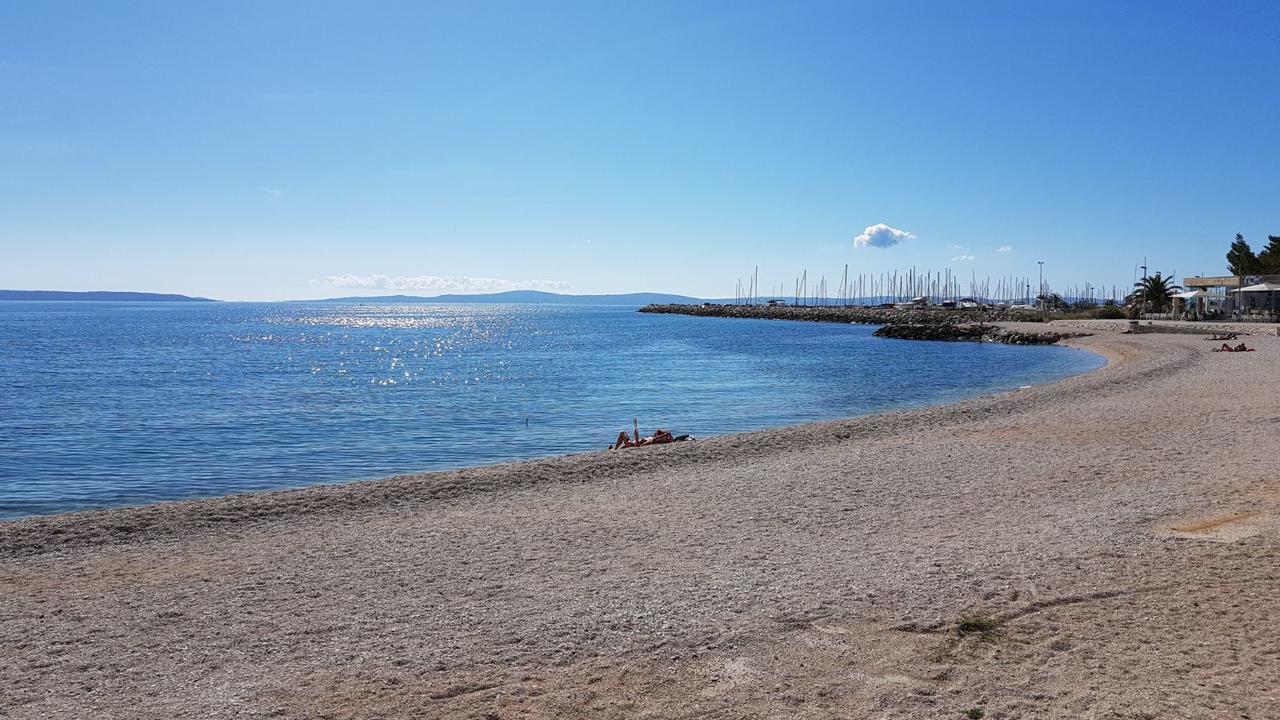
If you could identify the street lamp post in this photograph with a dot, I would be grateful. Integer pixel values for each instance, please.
(1144, 306)
(1041, 297)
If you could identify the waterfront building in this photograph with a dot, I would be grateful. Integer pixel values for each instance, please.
(1233, 297)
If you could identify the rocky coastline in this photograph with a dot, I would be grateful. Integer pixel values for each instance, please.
(973, 332)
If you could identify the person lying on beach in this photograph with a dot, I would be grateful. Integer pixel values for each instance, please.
(1227, 348)
(659, 437)
(1222, 336)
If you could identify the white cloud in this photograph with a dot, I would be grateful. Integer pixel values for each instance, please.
(962, 258)
(270, 191)
(955, 247)
(881, 236)
(1005, 248)
(453, 283)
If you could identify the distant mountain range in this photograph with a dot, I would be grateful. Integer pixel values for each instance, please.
(526, 296)
(98, 295)
(511, 296)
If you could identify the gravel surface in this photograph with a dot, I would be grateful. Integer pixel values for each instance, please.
(1103, 547)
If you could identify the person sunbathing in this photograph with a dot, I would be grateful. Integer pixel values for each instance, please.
(1238, 348)
(659, 437)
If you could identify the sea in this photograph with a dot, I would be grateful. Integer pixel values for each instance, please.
(106, 404)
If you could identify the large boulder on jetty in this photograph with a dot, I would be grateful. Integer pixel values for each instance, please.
(971, 332)
(932, 331)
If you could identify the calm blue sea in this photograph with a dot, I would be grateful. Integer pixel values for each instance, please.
(108, 404)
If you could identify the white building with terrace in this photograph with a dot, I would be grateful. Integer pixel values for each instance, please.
(1239, 298)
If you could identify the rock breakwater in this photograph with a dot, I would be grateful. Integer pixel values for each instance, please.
(973, 333)
(904, 323)
(860, 315)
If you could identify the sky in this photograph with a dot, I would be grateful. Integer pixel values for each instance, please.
(290, 150)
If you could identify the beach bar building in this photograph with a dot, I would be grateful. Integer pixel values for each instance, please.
(1207, 298)
(1258, 301)
(1198, 304)
(1230, 297)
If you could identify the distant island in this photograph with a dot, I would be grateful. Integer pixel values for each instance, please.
(527, 296)
(511, 296)
(97, 295)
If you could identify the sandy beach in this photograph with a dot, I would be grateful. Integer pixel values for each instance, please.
(1102, 547)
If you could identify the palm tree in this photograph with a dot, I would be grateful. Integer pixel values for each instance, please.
(1155, 292)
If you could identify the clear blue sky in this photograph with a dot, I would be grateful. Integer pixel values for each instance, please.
(252, 150)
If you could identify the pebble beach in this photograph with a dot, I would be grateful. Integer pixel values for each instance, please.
(1100, 547)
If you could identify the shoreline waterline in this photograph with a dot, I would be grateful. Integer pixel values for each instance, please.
(124, 405)
(455, 482)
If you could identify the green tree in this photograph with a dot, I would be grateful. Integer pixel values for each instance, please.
(1155, 292)
(1269, 258)
(1051, 301)
(1240, 258)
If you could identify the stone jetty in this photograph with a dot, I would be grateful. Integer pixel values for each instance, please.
(853, 314)
(905, 323)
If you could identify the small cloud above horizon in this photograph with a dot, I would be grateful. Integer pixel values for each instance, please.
(1005, 248)
(963, 258)
(271, 191)
(881, 236)
(438, 283)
